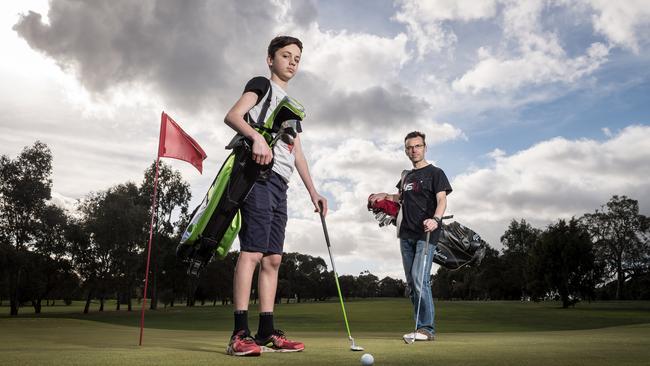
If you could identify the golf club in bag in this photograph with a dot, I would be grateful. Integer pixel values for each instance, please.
(353, 347)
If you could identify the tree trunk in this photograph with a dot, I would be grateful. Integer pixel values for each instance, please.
(14, 284)
(119, 300)
(129, 300)
(88, 297)
(101, 303)
(620, 280)
(37, 306)
(154, 288)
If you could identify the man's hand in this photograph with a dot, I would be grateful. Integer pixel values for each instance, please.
(430, 225)
(319, 201)
(262, 153)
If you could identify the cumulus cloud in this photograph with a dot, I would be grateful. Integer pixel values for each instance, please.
(353, 61)
(425, 20)
(624, 23)
(192, 59)
(347, 174)
(553, 179)
(532, 68)
(186, 50)
(537, 58)
(384, 111)
(196, 56)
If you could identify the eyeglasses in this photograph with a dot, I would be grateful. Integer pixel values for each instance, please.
(414, 147)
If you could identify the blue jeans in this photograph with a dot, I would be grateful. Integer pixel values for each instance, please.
(412, 255)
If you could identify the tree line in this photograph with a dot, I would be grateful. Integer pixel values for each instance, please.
(601, 255)
(97, 251)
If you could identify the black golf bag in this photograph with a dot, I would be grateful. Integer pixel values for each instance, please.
(459, 246)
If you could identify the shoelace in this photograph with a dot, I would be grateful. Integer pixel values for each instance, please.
(279, 333)
(243, 335)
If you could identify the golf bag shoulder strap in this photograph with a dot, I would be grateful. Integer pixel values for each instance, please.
(405, 172)
(398, 219)
(266, 105)
(262, 85)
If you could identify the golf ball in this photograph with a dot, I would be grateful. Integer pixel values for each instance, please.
(367, 359)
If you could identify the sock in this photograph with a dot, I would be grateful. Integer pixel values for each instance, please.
(266, 325)
(241, 321)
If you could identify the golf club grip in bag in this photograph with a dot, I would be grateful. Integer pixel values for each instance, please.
(459, 246)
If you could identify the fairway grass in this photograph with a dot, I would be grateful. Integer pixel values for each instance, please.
(469, 333)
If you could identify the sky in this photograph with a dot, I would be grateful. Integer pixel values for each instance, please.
(535, 110)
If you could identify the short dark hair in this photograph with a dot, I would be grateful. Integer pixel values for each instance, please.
(414, 134)
(282, 41)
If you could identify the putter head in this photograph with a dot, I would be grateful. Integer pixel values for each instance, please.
(354, 347)
(409, 338)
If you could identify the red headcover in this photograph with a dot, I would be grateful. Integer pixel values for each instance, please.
(386, 206)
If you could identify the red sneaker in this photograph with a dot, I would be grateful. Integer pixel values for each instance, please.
(278, 342)
(242, 344)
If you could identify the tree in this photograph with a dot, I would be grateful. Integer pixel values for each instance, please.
(620, 235)
(300, 276)
(390, 287)
(172, 193)
(25, 186)
(348, 285)
(217, 280)
(562, 262)
(517, 241)
(114, 221)
(367, 284)
(51, 243)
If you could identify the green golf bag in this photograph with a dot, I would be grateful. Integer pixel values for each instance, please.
(216, 221)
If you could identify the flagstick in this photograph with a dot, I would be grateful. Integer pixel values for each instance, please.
(146, 276)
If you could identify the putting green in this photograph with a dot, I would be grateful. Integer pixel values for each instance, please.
(42, 341)
(469, 333)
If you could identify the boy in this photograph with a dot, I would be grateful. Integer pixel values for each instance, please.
(264, 213)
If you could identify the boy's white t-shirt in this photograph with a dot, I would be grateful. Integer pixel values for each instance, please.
(283, 155)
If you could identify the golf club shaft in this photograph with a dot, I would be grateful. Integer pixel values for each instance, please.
(336, 276)
(424, 263)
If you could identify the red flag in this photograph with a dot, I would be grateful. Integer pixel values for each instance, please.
(175, 143)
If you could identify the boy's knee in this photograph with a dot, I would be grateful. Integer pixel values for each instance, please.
(271, 262)
(250, 257)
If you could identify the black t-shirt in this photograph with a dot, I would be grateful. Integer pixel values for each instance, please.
(419, 199)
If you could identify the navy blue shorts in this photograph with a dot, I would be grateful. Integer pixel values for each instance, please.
(264, 217)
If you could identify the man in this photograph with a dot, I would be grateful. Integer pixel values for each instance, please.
(422, 192)
(264, 213)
